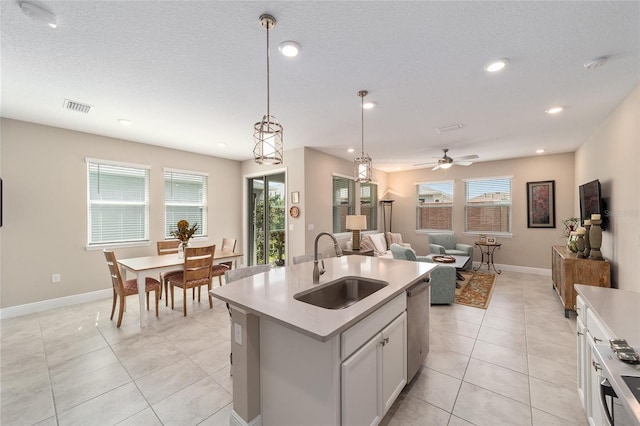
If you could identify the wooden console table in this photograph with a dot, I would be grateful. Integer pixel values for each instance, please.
(567, 269)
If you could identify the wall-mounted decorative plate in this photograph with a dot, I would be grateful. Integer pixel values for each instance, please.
(294, 211)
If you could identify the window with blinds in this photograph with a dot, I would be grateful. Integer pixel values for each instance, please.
(488, 205)
(343, 202)
(369, 204)
(185, 198)
(434, 206)
(118, 203)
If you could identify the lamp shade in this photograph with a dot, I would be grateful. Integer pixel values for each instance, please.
(356, 222)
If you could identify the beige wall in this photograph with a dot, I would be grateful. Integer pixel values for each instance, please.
(529, 247)
(45, 207)
(612, 155)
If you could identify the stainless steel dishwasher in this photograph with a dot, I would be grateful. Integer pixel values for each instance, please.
(418, 304)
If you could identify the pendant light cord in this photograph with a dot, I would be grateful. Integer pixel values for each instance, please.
(362, 112)
(268, 77)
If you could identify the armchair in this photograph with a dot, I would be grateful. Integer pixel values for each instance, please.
(443, 278)
(447, 244)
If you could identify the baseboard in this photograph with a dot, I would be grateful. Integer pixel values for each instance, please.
(60, 302)
(516, 268)
(236, 420)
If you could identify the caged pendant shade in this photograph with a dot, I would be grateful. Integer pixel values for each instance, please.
(267, 133)
(362, 164)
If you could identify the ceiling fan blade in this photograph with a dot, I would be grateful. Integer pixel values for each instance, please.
(436, 167)
(430, 163)
(467, 157)
(464, 163)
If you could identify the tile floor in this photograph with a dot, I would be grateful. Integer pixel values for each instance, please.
(509, 365)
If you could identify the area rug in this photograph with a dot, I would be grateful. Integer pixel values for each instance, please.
(476, 289)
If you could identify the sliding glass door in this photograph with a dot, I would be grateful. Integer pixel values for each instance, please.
(267, 236)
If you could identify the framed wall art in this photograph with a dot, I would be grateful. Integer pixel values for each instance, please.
(541, 204)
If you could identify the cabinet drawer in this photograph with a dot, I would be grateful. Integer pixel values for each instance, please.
(357, 335)
(596, 329)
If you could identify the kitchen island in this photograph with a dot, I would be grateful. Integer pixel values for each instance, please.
(296, 363)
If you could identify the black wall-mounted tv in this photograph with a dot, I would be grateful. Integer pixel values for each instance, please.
(591, 202)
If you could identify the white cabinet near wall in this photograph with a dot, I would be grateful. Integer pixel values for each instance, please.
(582, 347)
(374, 375)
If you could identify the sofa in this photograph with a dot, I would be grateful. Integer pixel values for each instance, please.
(442, 279)
(378, 242)
(446, 243)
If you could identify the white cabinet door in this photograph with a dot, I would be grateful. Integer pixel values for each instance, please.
(394, 360)
(594, 408)
(582, 348)
(361, 380)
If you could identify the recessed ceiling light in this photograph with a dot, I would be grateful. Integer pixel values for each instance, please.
(222, 145)
(554, 110)
(289, 48)
(539, 151)
(595, 63)
(497, 65)
(125, 122)
(369, 104)
(39, 14)
(350, 150)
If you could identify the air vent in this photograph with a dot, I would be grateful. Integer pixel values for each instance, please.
(77, 106)
(449, 128)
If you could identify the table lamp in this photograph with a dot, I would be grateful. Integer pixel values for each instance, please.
(356, 223)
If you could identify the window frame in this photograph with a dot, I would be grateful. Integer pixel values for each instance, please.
(419, 207)
(203, 206)
(372, 219)
(91, 242)
(507, 233)
(351, 203)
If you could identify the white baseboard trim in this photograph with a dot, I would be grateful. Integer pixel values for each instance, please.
(60, 302)
(236, 420)
(516, 268)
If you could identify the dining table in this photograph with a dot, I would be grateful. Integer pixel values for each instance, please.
(148, 266)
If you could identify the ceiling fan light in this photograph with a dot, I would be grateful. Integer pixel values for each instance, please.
(39, 14)
(445, 165)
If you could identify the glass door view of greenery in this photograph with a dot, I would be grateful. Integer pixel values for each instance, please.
(267, 236)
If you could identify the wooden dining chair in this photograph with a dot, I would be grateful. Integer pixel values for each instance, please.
(197, 272)
(122, 289)
(168, 247)
(228, 244)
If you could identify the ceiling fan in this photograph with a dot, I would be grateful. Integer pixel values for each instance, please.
(445, 161)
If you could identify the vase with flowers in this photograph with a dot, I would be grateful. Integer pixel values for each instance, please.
(184, 234)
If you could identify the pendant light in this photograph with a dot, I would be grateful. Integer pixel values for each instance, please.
(362, 164)
(267, 134)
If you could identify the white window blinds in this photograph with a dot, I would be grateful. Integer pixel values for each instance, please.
(118, 203)
(434, 205)
(343, 205)
(488, 205)
(185, 195)
(369, 204)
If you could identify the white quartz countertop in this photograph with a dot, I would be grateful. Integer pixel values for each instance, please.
(270, 295)
(617, 310)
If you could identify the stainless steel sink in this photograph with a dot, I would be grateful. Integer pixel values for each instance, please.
(341, 293)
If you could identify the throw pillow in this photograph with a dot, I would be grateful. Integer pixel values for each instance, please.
(394, 238)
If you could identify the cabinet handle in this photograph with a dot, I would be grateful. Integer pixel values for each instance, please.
(384, 341)
(596, 366)
(596, 340)
(580, 333)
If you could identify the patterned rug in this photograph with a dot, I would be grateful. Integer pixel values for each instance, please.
(476, 289)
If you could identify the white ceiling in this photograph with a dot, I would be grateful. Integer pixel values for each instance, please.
(191, 75)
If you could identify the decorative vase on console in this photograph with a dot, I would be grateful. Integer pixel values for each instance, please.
(580, 242)
(587, 243)
(595, 237)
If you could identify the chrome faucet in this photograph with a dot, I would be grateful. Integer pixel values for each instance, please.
(317, 271)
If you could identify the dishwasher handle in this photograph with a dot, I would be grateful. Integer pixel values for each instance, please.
(417, 289)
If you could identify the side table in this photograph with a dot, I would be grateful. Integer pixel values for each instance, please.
(487, 250)
(367, 252)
